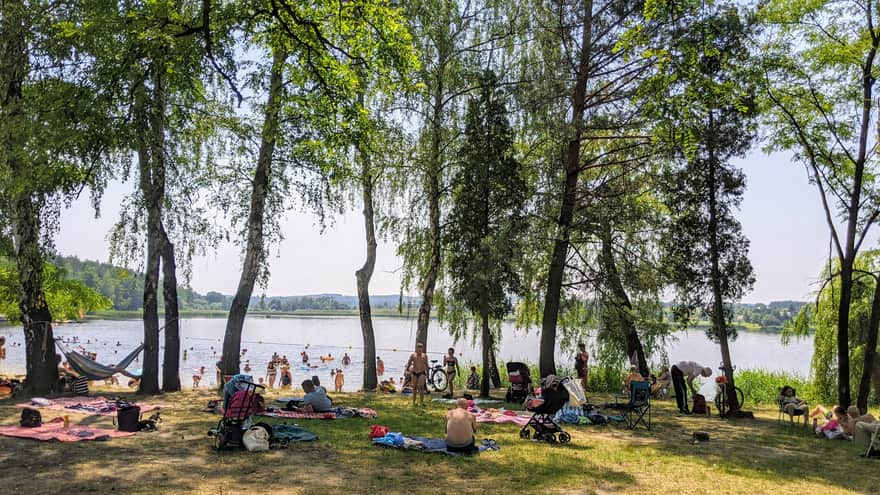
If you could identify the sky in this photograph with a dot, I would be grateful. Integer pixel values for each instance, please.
(781, 215)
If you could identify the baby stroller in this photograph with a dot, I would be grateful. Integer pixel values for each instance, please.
(520, 379)
(240, 402)
(553, 397)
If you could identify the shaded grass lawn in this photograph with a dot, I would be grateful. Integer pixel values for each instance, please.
(743, 456)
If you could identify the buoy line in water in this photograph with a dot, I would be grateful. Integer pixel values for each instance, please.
(263, 342)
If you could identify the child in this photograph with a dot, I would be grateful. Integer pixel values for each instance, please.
(196, 380)
(340, 380)
(473, 381)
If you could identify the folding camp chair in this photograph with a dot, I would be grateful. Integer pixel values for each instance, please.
(638, 409)
(874, 444)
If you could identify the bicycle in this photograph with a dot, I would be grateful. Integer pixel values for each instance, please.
(437, 378)
(721, 392)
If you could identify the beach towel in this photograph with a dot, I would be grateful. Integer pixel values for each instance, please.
(292, 433)
(54, 430)
(95, 406)
(425, 444)
(496, 417)
(477, 401)
(335, 413)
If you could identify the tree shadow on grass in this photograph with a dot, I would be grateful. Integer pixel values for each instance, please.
(764, 449)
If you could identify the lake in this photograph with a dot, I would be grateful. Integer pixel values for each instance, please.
(202, 339)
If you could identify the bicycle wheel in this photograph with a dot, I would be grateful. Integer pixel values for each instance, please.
(721, 403)
(439, 380)
(740, 396)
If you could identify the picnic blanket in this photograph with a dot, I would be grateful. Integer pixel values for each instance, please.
(292, 433)
(54, 430)
(476, 401)
(95, 406)
(335, 413)
(425, 444)
(486, 416)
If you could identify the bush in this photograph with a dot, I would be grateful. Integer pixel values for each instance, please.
(762, 386)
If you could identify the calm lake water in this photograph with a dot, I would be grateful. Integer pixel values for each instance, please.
(202, 338)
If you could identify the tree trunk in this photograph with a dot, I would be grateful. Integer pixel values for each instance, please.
(571, 165)
(719, 323)
(870, 352)
(433, 185)
(485, 382)
(254, 250)
(40, 362)
(171, 359)
(621, 303)
(151, 158)
(365, 273)
(843, 393)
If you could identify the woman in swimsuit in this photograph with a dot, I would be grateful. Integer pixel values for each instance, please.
(418, 366)
(451, 363)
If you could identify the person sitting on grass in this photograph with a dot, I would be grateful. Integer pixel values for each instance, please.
(832, 429)
(461, 426)
(315, 399)
(473, 381)
(853, 416)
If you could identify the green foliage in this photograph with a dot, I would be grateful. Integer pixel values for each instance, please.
(487, 219)
(761, 386)
(68, 299)
(821, 318)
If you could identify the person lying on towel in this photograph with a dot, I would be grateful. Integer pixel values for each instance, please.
(315, 399)
(460, 428)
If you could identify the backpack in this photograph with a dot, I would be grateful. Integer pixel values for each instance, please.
(700, 406)
(128, 418)
(31, 418)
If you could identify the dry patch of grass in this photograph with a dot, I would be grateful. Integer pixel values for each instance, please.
(745, 456)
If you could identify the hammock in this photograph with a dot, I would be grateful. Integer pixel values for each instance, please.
(97, 371)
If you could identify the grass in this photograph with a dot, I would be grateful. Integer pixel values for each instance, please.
(745, 456)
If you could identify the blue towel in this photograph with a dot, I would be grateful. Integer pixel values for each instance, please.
(437, 445)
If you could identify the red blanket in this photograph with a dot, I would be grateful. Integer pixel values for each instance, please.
(54, 430)
(93, 406)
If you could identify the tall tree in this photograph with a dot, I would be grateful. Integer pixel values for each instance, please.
(487, 219)
(576, 72)
(309, 120)
(708, 116)
(822, 106)
(54, 134)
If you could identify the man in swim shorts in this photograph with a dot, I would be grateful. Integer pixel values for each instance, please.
(418, 366)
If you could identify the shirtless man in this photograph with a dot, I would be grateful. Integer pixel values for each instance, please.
(418, 366)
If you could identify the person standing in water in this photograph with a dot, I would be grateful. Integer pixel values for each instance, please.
(346, 359)
(380, 366)
(418, 367)
(271, 372)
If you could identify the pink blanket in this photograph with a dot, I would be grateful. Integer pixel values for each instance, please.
(93, 406)
(54, 430)
(488, 417)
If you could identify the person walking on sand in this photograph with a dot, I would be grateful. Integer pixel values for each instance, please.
(418, 367)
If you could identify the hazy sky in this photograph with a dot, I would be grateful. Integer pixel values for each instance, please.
(781, 215)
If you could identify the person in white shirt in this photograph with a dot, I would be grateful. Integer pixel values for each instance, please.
(686, 371)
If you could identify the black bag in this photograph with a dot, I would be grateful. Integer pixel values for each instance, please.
(30, 418)
(700, 406)
(128, 418)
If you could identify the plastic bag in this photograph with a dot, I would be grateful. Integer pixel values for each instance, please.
(576, 395)
(256, 439)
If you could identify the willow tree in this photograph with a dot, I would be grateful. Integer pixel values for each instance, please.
(706, 117)
(308, 121)
(576, 72)
(55, 135)
(487, 220)
(822, 107)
